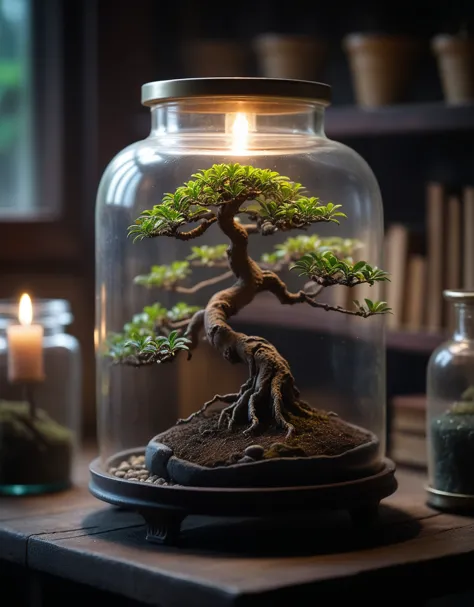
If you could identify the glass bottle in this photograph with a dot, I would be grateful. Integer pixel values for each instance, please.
(338, 359)
(40, 424)
(450, 410)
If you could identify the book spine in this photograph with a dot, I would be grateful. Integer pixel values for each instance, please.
(434, 213)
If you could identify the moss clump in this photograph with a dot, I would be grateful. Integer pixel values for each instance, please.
(466, 405)
(462, 408)
(34, 451)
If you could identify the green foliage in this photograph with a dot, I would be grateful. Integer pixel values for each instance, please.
(295, 247)
(147, 349)
(372, 307)
(164, 276)
(181, 311)
(275, 214)
(209, 255)
(147, 330)
(146, 322)
(326, 269)
(279, 204)
(270, 200)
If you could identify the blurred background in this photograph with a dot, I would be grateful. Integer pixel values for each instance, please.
(403, 97)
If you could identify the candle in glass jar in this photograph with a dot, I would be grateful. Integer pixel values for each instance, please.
(25, 346)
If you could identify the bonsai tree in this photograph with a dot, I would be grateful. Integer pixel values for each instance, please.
(225, 194)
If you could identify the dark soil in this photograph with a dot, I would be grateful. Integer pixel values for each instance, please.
(201, 441)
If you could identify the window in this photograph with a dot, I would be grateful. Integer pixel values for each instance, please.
(17, 169)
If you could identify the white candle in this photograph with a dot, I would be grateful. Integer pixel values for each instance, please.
(25, 346)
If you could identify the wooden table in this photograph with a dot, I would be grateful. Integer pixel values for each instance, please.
(71, 545)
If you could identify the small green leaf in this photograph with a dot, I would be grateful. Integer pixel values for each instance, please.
(358, 266)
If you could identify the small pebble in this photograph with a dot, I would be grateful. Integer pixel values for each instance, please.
(246, 460)
(255, 451)
(134, 470)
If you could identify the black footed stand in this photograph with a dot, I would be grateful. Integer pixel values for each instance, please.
(164, 508)
(163, 526)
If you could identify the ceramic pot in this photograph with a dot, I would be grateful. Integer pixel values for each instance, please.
(290, 56)
(381, 66)
(455, 58)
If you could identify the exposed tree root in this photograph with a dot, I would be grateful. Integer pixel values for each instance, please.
(269, 392)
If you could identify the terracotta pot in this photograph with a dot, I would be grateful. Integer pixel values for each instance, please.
(455, 57)
(381, 67)
(206, 58)
(290, 56)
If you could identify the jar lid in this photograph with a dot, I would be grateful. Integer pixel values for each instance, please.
(271, 88)
(458, 294)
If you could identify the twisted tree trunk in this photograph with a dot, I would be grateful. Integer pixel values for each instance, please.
(270, 391)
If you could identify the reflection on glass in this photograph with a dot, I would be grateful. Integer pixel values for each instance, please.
(16, 138)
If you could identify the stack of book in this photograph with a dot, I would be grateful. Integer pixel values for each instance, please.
(419, 274)
(407, 440)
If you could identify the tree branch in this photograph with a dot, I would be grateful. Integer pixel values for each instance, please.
(144, 360)
(195, 326)
(204, 283)
(329, 281)
(178, 324)
(275, 285)
(328, 308)
(195, 232)
(251, 228)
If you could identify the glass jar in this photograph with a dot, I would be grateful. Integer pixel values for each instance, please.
(450, 413)
(40, 421)
(338, 359)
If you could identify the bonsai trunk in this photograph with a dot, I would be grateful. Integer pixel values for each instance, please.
(270, 390)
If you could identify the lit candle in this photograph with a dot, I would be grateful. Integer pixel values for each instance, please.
(25, 346)
(240, 133)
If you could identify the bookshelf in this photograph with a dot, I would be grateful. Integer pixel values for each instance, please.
(265, 311)
(402, 119)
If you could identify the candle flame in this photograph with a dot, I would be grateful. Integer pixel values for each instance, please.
(240, 132)
(25, 312)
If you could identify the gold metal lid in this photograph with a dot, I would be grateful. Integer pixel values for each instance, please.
(236, 88)
(459, 295)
